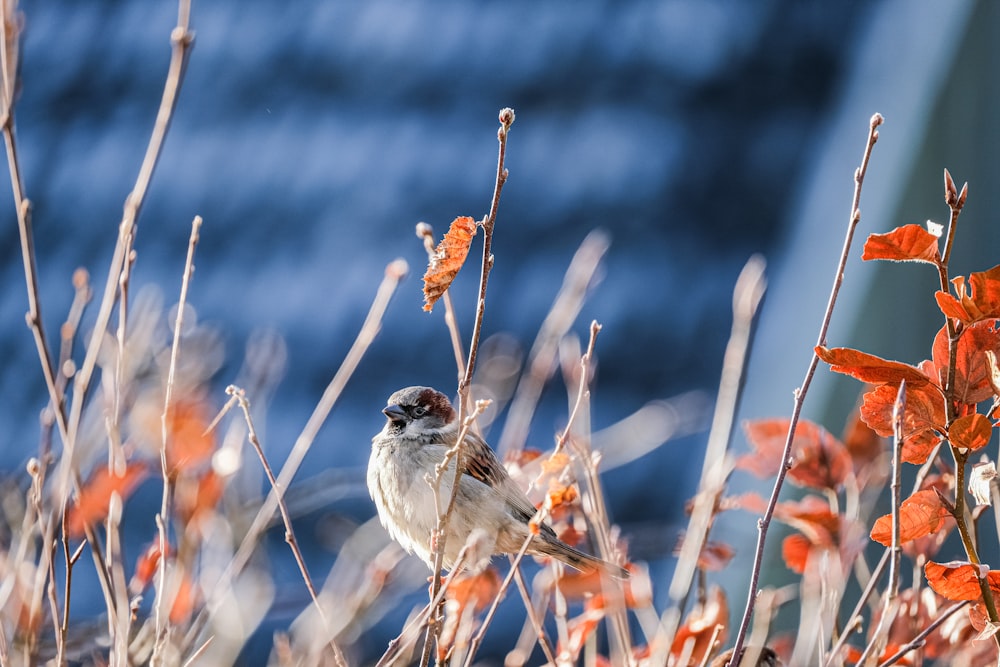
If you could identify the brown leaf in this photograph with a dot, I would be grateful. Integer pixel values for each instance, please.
(909, 243)
(448, 259)
(920, 514)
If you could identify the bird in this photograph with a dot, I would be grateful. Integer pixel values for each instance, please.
(765, 657)
(421, 425)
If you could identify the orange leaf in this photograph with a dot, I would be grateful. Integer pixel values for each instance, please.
(184, 600)
(971, 431)
(560, 495)
(820, 460)
(909, 243)
(959, 580)
(194, 497)
(795, 550)
(979, 301)
(862, 442)
(715, 556)
(699, 627)
(92, 503)
(972, 373)
(920, 514)
(145, 567)
(869, 368)
(188, 444)
(923, 419)
(449, 256)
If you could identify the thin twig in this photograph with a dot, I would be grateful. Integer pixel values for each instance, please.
(394, 273)
(293, 543)
(854, 620)
(506, 120)
(597, 514)
(747, 295)
(412, 628)
(533, 618)
(880, 636)
(165, 428)
(800, 394)
(918, 641)
(541, 359)
(181, 39)
(440, 534)
(502, 591)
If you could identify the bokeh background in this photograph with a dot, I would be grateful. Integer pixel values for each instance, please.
(313, 136)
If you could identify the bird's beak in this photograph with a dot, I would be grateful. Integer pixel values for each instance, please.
(395, 413)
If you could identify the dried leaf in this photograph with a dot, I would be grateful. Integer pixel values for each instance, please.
(980, 477)
(920, 514)
(909, 243)
(448, 259)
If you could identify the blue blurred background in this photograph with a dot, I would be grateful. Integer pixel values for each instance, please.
(312, 136)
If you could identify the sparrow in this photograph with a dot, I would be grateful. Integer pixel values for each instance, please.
(765, 657)
(421, 425)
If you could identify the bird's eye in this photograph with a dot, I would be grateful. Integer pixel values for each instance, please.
(419, 411)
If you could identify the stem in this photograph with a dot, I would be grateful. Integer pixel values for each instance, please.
(765, 521)
(165, 423)
(293, 543)
(440, 535)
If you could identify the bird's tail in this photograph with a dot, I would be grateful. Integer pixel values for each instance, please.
(551, 546)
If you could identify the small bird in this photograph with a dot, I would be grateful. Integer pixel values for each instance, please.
(765, 657)
(421, 425)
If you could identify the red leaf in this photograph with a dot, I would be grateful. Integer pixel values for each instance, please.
(869, 368)
(920, 514)
(92, 504)
(194, 497)
(698, 628)
(188, 442)
(185, 599)
(971, 431)
(145, 567)
(795, 550)
(448, 259)
(959, 580)
(862, 442)
(923, 419)
(979, 301)
(820, 460)
(972, 373)
(909, 243)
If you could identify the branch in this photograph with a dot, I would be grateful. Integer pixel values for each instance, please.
(293, 543)
(800, 394)
(747, 295)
